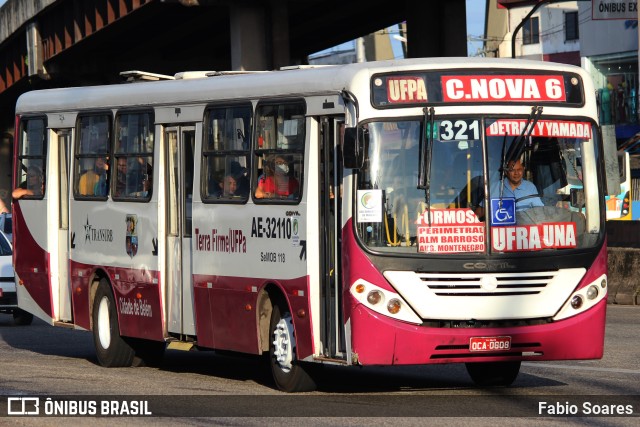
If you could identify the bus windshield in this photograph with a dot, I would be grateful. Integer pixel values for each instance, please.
(491, 186)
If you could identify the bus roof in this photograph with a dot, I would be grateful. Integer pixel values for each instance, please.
(231, 86)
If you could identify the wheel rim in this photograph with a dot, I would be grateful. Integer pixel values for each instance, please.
(104, 324)
(284, 343)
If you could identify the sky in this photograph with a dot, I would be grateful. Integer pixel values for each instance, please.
(475, 25)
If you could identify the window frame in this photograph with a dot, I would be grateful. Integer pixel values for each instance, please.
(20, 171)
(259, 153)
(531, 33)
(80, 156)
(115, 155)
(208, 152)
(572, 17)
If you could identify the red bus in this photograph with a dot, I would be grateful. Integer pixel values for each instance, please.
(362, 214)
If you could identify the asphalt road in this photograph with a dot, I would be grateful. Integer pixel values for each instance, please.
(204, 388)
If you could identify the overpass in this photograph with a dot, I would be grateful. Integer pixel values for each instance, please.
(57, 43)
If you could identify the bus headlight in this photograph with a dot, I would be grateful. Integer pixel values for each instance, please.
(394, 306)
(383, 301)
(584, 298)
(576, 302)
(374, 297)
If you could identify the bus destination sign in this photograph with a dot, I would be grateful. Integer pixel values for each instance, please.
(433, 88)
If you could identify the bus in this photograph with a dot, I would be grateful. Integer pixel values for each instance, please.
(619, 206)
(353, 215)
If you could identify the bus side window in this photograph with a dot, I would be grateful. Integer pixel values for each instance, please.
(279, 147)
(92, 156)
(31, 159)
(225, 154)
(133, 171)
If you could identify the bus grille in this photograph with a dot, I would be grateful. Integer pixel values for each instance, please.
(504, 284)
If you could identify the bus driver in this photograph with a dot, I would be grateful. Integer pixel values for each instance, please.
(525, 192)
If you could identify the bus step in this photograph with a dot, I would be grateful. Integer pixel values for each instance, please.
(329, 360)
(180, 345)
(68, 325)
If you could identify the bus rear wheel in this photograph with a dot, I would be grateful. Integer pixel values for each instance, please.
(112, 351)
(288, 373)
(493, 373)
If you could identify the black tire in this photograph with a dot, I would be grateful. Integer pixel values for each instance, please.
(493, 373)
(147, 353)
(288, 373)
(112, 351)
(22, 318)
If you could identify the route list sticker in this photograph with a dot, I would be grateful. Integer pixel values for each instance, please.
(451, 231)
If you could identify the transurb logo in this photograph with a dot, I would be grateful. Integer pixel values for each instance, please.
(92, 234)
(131, 240)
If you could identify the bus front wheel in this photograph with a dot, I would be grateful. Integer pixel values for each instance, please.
(288, 373)
(493, 373)
(111, 350)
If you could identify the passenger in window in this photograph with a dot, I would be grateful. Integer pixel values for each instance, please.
(230, 186)
(139, 179)
(3, 207)
(146, 185)
(279, 184)
(121, 177)
(239, 175)
(94, 182)
(33, 186)
(214, 185)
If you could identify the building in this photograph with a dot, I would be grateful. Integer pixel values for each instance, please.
(609, 50)
(551, 33)
(604, 41)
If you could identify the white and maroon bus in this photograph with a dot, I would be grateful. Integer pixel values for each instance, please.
(357, 215)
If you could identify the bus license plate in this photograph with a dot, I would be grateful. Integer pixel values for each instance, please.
(490, 344)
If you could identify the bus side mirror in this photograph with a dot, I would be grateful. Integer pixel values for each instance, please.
(353, 148)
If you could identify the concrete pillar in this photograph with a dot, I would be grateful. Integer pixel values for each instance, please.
(378, 46)
(34, 50)
(436, 28)
(281, 54)
(248, 41)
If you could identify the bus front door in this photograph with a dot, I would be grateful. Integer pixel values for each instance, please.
(330, 229)
(64, 285)
(180, 144)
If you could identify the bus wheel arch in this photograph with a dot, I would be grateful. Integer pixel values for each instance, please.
(264, 308)
(111, 349)
(94, 282)
(289, 373)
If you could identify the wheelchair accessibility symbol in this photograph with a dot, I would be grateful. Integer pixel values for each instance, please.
(503, 211)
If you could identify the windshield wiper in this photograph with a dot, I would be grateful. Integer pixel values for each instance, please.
(424, 168)
(517, 146)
